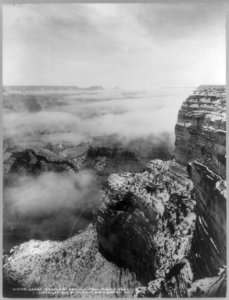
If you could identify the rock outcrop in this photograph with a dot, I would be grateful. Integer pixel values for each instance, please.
(111, 158)
(147, 220)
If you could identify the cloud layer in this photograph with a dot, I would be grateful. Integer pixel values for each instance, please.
(127, 114)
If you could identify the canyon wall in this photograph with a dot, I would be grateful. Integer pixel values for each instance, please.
(209, 241)
(201, 129)
(201, 145)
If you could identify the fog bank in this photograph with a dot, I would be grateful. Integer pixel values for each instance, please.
(51, 205)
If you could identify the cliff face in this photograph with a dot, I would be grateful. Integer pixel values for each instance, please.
(209, 242)
(201, 129)
(201, 145)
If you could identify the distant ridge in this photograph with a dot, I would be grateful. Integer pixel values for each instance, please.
(209, 86)
(49, 87)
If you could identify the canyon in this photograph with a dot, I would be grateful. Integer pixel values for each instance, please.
(160, 230)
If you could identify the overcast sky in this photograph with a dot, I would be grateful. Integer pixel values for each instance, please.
(125, 45)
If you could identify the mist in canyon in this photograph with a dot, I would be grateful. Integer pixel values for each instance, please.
(48, 205)
(76, 118)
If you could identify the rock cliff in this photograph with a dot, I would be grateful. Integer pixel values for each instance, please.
(209, 242)
(201, 129)
(201, 145)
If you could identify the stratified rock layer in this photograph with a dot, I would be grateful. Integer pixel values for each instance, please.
(201, 129)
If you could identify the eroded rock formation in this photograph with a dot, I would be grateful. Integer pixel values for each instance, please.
(147, 220)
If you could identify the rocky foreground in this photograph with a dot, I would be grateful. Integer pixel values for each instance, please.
(73, 268)
(160, 231)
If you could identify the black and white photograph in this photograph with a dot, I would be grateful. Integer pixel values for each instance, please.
(114, 150)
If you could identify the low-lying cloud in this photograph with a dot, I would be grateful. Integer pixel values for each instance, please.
(76, 121)
(51, 205)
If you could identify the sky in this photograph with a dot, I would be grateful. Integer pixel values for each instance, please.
(114, 45)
